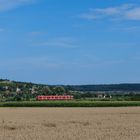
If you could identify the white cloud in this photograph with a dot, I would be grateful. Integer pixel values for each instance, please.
(89, 16)
(6, 5)
(108, 11)
(126, 11)
(127, 29)
(133, 14)
(63, 42)
(36, 62)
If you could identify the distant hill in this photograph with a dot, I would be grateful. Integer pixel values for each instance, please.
(84, 88)
(110, 87)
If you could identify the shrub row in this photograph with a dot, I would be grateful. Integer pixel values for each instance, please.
(71, 104)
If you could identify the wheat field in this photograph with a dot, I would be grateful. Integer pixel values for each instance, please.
(70, 123)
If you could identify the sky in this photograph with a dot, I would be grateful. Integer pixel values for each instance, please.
(70, 41)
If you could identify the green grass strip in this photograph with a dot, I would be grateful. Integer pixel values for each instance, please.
(71, 104)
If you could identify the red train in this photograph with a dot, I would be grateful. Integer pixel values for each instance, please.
(63, 97)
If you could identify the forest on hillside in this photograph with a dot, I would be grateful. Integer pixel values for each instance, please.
(109, 87)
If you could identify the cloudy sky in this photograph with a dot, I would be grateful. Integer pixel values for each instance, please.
(70, 41)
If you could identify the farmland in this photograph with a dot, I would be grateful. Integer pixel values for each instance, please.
(70, 123)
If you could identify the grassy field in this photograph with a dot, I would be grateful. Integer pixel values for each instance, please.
(70, 104)
(70, 123)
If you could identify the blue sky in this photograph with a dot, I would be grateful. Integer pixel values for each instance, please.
(70, 41)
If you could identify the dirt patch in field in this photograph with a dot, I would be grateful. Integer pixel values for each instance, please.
(49, 125)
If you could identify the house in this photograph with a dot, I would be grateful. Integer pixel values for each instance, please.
(18, 90)
(100, 95)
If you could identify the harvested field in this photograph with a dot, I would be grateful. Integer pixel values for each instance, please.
(70, 123)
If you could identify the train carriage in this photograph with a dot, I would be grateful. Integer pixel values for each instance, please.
(56, 97)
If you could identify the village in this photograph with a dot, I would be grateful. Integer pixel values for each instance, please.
(10, 90)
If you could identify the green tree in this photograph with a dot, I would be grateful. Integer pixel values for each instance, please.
(46, 91)
(59, 90)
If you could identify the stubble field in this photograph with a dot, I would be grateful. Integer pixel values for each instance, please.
(70, 123)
